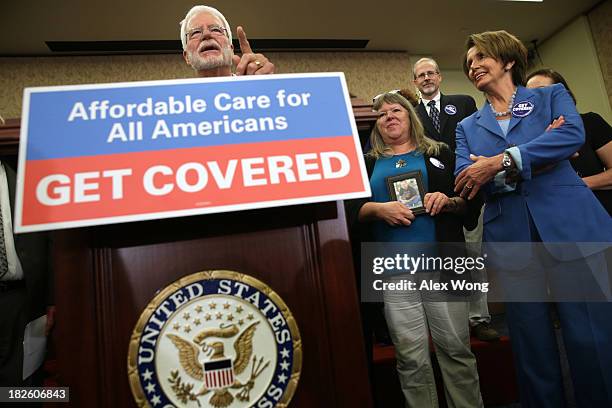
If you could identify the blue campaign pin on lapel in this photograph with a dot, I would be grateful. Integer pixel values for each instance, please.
(436, 163)
(522, 109)
(450, 109)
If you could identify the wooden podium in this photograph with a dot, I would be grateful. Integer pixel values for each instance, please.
(105, 276)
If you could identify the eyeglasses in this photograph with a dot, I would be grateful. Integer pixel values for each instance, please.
(198, 32)
(395, 91)
(427, 74)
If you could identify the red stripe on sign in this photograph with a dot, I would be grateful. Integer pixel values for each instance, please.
(90, 188)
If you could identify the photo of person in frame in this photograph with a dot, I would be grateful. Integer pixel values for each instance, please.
(407, 192)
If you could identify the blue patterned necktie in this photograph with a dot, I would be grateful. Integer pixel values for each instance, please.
(434, 114)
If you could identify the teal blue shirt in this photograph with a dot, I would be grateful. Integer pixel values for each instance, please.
(423, 227)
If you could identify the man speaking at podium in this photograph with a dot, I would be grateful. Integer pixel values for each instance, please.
(207, 46)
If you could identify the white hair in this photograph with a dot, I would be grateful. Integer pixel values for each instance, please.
(422, 60)
(195, 10)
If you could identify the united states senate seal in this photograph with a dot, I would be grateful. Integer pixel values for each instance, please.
(215, 339)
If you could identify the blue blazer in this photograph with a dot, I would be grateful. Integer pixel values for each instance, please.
(562, 207)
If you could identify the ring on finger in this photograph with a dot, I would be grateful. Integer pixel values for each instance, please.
(258, 63)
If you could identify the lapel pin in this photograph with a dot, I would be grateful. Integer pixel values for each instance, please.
(522, 109)
(436, 163)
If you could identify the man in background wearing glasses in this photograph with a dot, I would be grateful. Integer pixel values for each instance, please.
(207, 46)
(440, 115)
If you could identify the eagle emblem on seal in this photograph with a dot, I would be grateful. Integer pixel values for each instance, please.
(215, 339)
(218, 372)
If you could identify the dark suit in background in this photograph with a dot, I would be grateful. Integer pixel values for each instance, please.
(464, 106)
(22, 301)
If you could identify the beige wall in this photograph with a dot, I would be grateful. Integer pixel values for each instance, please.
(572, 52)
(367, 74)
(600, 19)
(18, 73)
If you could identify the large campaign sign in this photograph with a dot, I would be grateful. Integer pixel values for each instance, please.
(109, 153)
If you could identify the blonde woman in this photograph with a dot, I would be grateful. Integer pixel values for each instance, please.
(399, 146)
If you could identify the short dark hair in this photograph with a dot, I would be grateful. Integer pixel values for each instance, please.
(556, 77)
(502, 46)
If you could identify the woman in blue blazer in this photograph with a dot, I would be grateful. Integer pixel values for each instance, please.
(507, 152)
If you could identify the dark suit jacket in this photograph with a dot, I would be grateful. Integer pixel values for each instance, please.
(33, 252)
(464, 106)
(21, 305)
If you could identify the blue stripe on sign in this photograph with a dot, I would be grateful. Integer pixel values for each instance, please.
(52, 135)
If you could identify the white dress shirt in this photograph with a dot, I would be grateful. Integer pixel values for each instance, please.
(426, 101)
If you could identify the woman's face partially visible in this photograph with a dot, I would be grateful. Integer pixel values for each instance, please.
(539, 81)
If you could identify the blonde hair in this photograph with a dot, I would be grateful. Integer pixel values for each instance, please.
(423, 144)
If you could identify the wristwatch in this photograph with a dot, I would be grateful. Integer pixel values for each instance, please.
(507, 162)
(512, 173)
